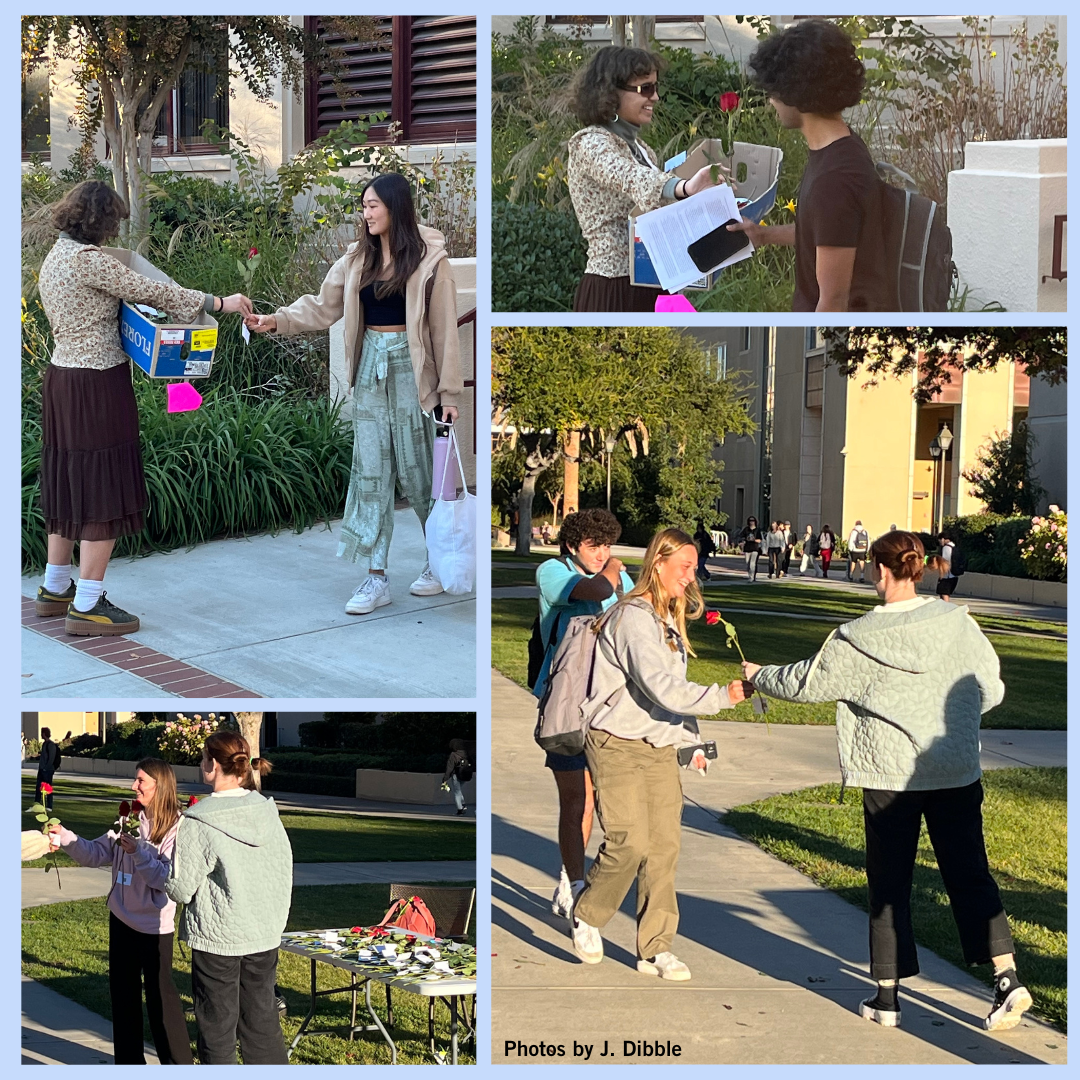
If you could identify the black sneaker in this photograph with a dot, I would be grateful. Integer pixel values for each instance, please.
(461, 811)
(53, 603)
(102, 619)
(1011, 1001)
(883, 1013)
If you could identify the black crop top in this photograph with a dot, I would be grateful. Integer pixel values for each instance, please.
(385, 311)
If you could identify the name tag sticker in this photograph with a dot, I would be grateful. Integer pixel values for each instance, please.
(122, 878)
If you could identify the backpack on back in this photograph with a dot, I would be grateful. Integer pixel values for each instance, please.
(463, 770)
(560, 725)
(410, 914)
(918, 243)
(958, 563)
(862, 540)
(538, 650)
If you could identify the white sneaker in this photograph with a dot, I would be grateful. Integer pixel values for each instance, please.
(373, 592)
(562, 900)
(587, 941)
(427, 584)
(666, 965)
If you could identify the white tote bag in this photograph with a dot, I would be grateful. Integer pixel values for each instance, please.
(451, 534)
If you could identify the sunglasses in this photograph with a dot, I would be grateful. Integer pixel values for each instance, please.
(646, 89)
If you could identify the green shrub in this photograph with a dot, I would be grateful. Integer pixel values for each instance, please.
(148, 744)
(127, 733)
(990, 542)
(1044, 550)
(306, 784)
(82, 744)
(537, 258)
(321, 733)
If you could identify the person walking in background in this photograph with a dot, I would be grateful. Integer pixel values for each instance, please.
(751, 539)
(48, 763)
(459, 770)
(232, 871)
(641, 709)
(395, 290)
(140, 918)
(93, 488)
(912, 679)
(775, 542)
(586, 579)
(789, 547)
(826, 546)
(858, 546)
(947, 580)
(809, 552)
(705, 547)
(610, 171)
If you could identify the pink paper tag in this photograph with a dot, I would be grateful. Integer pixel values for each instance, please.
(183, 397)
(677, 303)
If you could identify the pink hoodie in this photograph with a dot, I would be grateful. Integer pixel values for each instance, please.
(137, 895)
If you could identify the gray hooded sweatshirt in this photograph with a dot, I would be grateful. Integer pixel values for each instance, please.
(232, 868)
(911, 681)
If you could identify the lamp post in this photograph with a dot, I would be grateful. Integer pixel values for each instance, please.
(935, 453)
(945, 440)
(609, 446)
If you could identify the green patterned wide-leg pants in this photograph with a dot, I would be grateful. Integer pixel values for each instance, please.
(392, 441)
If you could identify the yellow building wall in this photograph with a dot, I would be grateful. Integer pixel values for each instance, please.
(985, 409)
(78, 723)
(878, 454)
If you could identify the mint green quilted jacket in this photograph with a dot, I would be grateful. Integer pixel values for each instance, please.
(910, 688)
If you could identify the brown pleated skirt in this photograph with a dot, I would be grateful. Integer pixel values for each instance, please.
(92, 483)
(596, 293)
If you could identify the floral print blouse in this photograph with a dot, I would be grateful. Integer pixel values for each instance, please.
(606, 182)
(81, 288)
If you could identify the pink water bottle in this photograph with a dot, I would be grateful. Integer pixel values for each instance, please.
(443, 472)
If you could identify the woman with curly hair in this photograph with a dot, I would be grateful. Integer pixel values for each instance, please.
(610, 171)
(811, 73)
(92, 485)
(641, 709)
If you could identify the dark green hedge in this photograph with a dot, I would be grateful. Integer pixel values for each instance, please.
(537, 258)
(991, 542)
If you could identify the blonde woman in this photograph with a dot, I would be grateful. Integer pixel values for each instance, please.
(642, 709)
(140, 918)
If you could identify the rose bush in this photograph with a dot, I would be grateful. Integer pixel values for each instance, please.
(1045, 549)
(181, 742)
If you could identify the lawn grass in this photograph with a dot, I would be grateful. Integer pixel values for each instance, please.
(1025, 821)
(314, 837)
(1032, 668)
(66, 947)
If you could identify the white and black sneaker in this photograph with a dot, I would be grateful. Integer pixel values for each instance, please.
(1011, 1000)
(883, 1012)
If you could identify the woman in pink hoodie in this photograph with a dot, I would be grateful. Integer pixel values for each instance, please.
(140, 918)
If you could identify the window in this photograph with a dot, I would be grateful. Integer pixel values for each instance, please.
(200, 94)
(745, 346)
(35, 114)
(815, 338)
(716, 362)
(423, 77)
(598, 20)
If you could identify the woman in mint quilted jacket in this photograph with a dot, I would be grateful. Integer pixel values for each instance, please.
(911, 680)
(232, 868)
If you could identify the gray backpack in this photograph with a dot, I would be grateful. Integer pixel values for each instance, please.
(560, 725)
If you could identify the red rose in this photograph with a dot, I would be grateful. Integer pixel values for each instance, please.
(46, 789)
(729, 102)
(192, 801)
(255, 251)
(137, 807)
(356, 930)
(125, 808)
(712, 618)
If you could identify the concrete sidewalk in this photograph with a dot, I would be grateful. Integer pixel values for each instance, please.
(262, 616)
(779, 964)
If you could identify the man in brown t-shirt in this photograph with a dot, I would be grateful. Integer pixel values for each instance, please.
(811, 73)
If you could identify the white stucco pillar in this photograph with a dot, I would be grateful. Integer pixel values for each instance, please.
(1002, 206)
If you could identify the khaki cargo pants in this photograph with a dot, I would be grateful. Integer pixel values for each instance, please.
(639, 802)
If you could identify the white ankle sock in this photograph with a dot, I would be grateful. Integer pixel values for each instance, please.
(88, 593)
(57, 577)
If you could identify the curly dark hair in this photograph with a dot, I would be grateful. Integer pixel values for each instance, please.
(599, 526)
(812, 66)
(90, 212)
(595, 93)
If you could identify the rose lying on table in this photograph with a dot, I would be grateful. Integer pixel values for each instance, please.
(387, 951)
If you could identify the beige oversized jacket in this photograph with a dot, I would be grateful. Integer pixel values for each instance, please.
(433, 335)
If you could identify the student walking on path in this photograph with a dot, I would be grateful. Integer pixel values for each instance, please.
(912, 679)
(232, 869)
(775, 542)
(810, 73)
(858, 545)
(809, 552)
(826, 543)
(586, 579)
(140, 918)
(751, 539)
(48, 763)
(641, 710)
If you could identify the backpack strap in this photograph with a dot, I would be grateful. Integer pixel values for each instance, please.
(429, 288)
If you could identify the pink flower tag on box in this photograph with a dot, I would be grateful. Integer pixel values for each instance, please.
(183, 397)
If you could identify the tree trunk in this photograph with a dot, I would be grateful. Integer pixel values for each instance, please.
(644, 29)
(571, 467)
(250, 726)
(525, 505)
(618, 30)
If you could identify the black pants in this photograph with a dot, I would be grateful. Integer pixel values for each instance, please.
(954, 822)
(43, 778)
(234, 999)
(787, 559)
(776, 556)
(137, 960)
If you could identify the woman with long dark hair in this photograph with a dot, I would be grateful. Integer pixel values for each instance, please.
(140, 918)
(93, 490)
(911, 680)
(232, 869)
(395, 289)
(641, 709)
(610, 171)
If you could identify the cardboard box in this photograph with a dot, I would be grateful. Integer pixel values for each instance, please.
(755, 171)
(172, 350)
